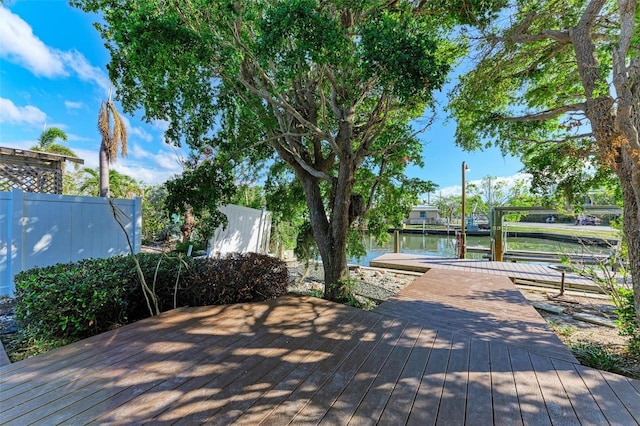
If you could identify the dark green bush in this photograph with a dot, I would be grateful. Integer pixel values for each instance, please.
(94, 295)
(71, 299)
(236, 278)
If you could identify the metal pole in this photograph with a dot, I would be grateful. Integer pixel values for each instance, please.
(463, 240)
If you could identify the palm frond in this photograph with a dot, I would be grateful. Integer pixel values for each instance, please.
(119, 130)
(119, 135)
(103, 127)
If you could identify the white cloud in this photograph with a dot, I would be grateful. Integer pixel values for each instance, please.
(160, 124)
(13, 114)
(74, 105)
(139, 153)
(158, 167)
(136, 131)
(149, 176)
(90, 157)
(18, 44)
(168, 160)
(84, 70)
(508, 180)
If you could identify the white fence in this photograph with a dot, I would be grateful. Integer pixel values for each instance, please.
(45, 229)
(248, 230)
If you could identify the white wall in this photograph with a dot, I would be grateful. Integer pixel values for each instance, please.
(247, 230)
(45, 229)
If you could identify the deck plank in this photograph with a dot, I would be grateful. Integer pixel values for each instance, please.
(612, 396)
(478, 409)
(555, 397)
(530, 397)
(355, 374)
(579, 394)
(354, 351)
(427, 403)
(454, 394)
(506, 408)
(372, 385)
(398, 407)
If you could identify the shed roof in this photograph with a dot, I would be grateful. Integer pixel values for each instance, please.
(36, 155)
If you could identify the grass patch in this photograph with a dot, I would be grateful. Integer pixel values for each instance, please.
(562, 329)
(583, 231)
(596, 356)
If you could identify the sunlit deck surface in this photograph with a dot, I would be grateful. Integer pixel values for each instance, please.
(516, 271)
(451, 348)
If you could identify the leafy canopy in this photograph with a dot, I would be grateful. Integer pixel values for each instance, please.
(327, 87)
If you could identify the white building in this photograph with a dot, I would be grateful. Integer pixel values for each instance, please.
(423, 214)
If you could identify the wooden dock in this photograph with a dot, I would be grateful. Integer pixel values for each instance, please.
(524, 272)
(451, 348)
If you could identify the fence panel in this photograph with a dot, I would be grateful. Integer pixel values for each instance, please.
(45, 229)
(248, 230)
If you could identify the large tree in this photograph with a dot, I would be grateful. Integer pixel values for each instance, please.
(328, 86)
(558, 82)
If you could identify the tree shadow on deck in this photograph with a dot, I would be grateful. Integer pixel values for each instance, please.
(303, 360)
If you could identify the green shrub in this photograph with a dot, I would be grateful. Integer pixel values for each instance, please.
(236, 278)
(77, 300)
(626, 312)
(598, 357)
(71, 300)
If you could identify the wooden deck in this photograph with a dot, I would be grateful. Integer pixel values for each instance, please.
(452, 348)
(516, 271)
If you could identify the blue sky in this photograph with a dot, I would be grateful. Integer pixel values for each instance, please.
(53, 72)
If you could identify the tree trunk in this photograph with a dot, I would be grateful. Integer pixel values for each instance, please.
(630, 182)
(613, 134)
(330, 236)
(104, 171)
(188, 225)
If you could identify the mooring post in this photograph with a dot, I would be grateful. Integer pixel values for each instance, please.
(396, 241)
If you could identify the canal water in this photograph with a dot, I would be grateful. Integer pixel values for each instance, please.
(445, 246)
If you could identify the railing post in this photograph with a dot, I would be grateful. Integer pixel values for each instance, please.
(497, 233)
(396, 241)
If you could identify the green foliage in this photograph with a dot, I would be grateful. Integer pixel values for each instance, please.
(328, 88)
(47, 142)
(183, 247)
(156, 221)
(627, 320)
(248, 196)
(202, 187)
(284, 198)
(72, 300)
(597, 357)
(536, 105)
(120, 185)
(305, 248)
(77, 300)
(403, 52)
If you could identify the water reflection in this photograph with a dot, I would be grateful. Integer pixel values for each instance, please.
(444, 246)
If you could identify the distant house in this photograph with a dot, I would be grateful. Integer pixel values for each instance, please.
(423, 214)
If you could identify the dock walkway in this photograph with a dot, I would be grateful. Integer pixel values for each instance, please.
(530, 272)
(451, 348)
